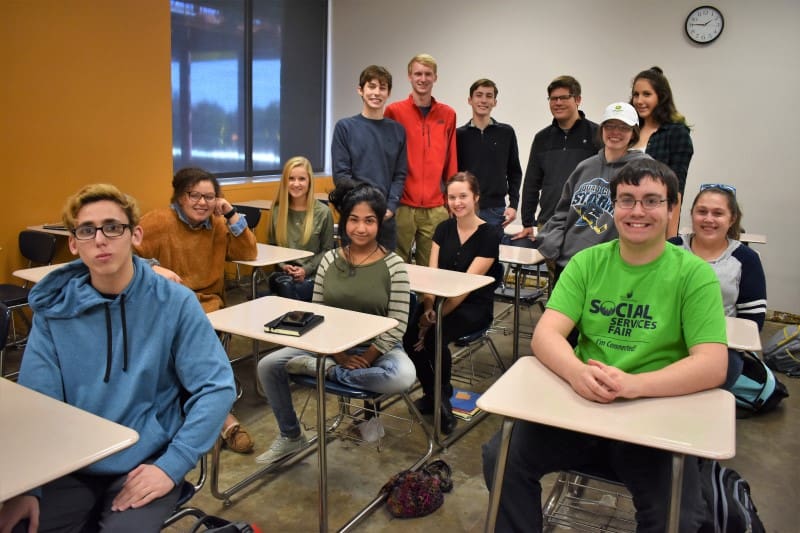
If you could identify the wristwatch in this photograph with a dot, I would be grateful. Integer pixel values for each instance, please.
(230, 213)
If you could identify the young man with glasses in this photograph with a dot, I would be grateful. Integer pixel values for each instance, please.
(115, 339)
(555, 152)
(652, 324)
(190, 242)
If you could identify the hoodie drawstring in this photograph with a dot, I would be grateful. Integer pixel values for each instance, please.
(108, 343)
(109, 354)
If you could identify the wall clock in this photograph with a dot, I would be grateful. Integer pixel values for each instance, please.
(704, 24)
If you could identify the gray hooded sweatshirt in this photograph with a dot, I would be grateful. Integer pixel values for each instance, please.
(584, 215)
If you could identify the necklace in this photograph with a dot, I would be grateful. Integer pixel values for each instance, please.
(352, 265)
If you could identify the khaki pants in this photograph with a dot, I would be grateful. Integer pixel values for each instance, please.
(417, 224)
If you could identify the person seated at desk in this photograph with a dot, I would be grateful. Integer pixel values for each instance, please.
(651, 324)
(716, 226)
(299, 221)
(189, 242)
(464, 243)
(584, 216)
(111, 337)
(360, 276)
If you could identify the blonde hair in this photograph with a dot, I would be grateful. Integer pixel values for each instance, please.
(96, 193)
(423, 59)
(280, 207)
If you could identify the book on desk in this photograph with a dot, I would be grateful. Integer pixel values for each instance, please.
(293, 323)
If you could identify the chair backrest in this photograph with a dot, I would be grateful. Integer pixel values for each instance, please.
(253, 215)
(37, 247)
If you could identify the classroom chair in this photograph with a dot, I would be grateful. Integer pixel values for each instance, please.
(467, 346)
(253, 216)
(38, 248)
(188, 490)
(589, 502)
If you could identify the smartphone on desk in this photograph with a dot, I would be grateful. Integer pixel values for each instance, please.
(297, 318)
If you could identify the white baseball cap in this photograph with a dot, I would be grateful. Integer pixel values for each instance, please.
(621, 111)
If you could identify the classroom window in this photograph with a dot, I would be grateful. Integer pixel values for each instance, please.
(248, 84)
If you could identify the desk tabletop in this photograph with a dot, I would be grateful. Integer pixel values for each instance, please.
(264, 205)
(756, 238)
(35, 274)
(44, 439)
(743, 334)
(272, 255)
(701, 424)
(56, 229)
(520, 256)
(445, 283)
(341, 329)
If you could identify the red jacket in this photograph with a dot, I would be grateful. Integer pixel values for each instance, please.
(431, 147)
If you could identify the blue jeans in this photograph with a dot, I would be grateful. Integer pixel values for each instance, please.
(495, 216)
(391, 372)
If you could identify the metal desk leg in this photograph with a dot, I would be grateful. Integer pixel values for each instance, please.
(499, 474)
(678, 460)
(516, 313)
(321, 450)
(437, 372)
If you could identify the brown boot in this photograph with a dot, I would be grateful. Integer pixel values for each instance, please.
(237, 439)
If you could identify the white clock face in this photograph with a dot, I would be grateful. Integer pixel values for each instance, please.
(704, 24)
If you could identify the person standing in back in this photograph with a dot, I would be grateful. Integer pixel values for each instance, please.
(488, 149)
(370, 148)
(664, 132)
(555, 152)
(431, 145)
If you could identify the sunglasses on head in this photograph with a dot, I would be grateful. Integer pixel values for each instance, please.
(720, 186)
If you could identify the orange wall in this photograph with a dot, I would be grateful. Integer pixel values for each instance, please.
(86, 98)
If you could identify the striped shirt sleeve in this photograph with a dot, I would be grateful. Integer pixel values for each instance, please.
(398, 304)
(752, 301)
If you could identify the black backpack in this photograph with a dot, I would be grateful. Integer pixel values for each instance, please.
(757, 390)
(727, 495)
(782, 351)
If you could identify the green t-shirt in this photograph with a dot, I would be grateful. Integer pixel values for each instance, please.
(640, 318)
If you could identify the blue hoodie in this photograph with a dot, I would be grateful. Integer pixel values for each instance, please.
(127, 359)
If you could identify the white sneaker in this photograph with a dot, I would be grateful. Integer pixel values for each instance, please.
(282, 447)
(306, 365)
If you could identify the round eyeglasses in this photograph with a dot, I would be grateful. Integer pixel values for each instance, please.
(112, 230)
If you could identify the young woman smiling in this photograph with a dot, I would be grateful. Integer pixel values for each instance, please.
(299, 221)
(464, 243)
(360, 276)
(716, 226)
(664, 133)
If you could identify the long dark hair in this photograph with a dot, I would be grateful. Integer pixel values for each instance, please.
(665, 112)
(348, 194)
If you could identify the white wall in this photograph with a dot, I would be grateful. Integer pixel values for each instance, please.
(735, 92)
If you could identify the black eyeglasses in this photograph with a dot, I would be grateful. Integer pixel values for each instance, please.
(112, 230)
(721, 186)
(560, 98)
(196, 197)
(648, 204)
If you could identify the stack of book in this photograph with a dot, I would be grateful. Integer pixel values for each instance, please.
(463, 402)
